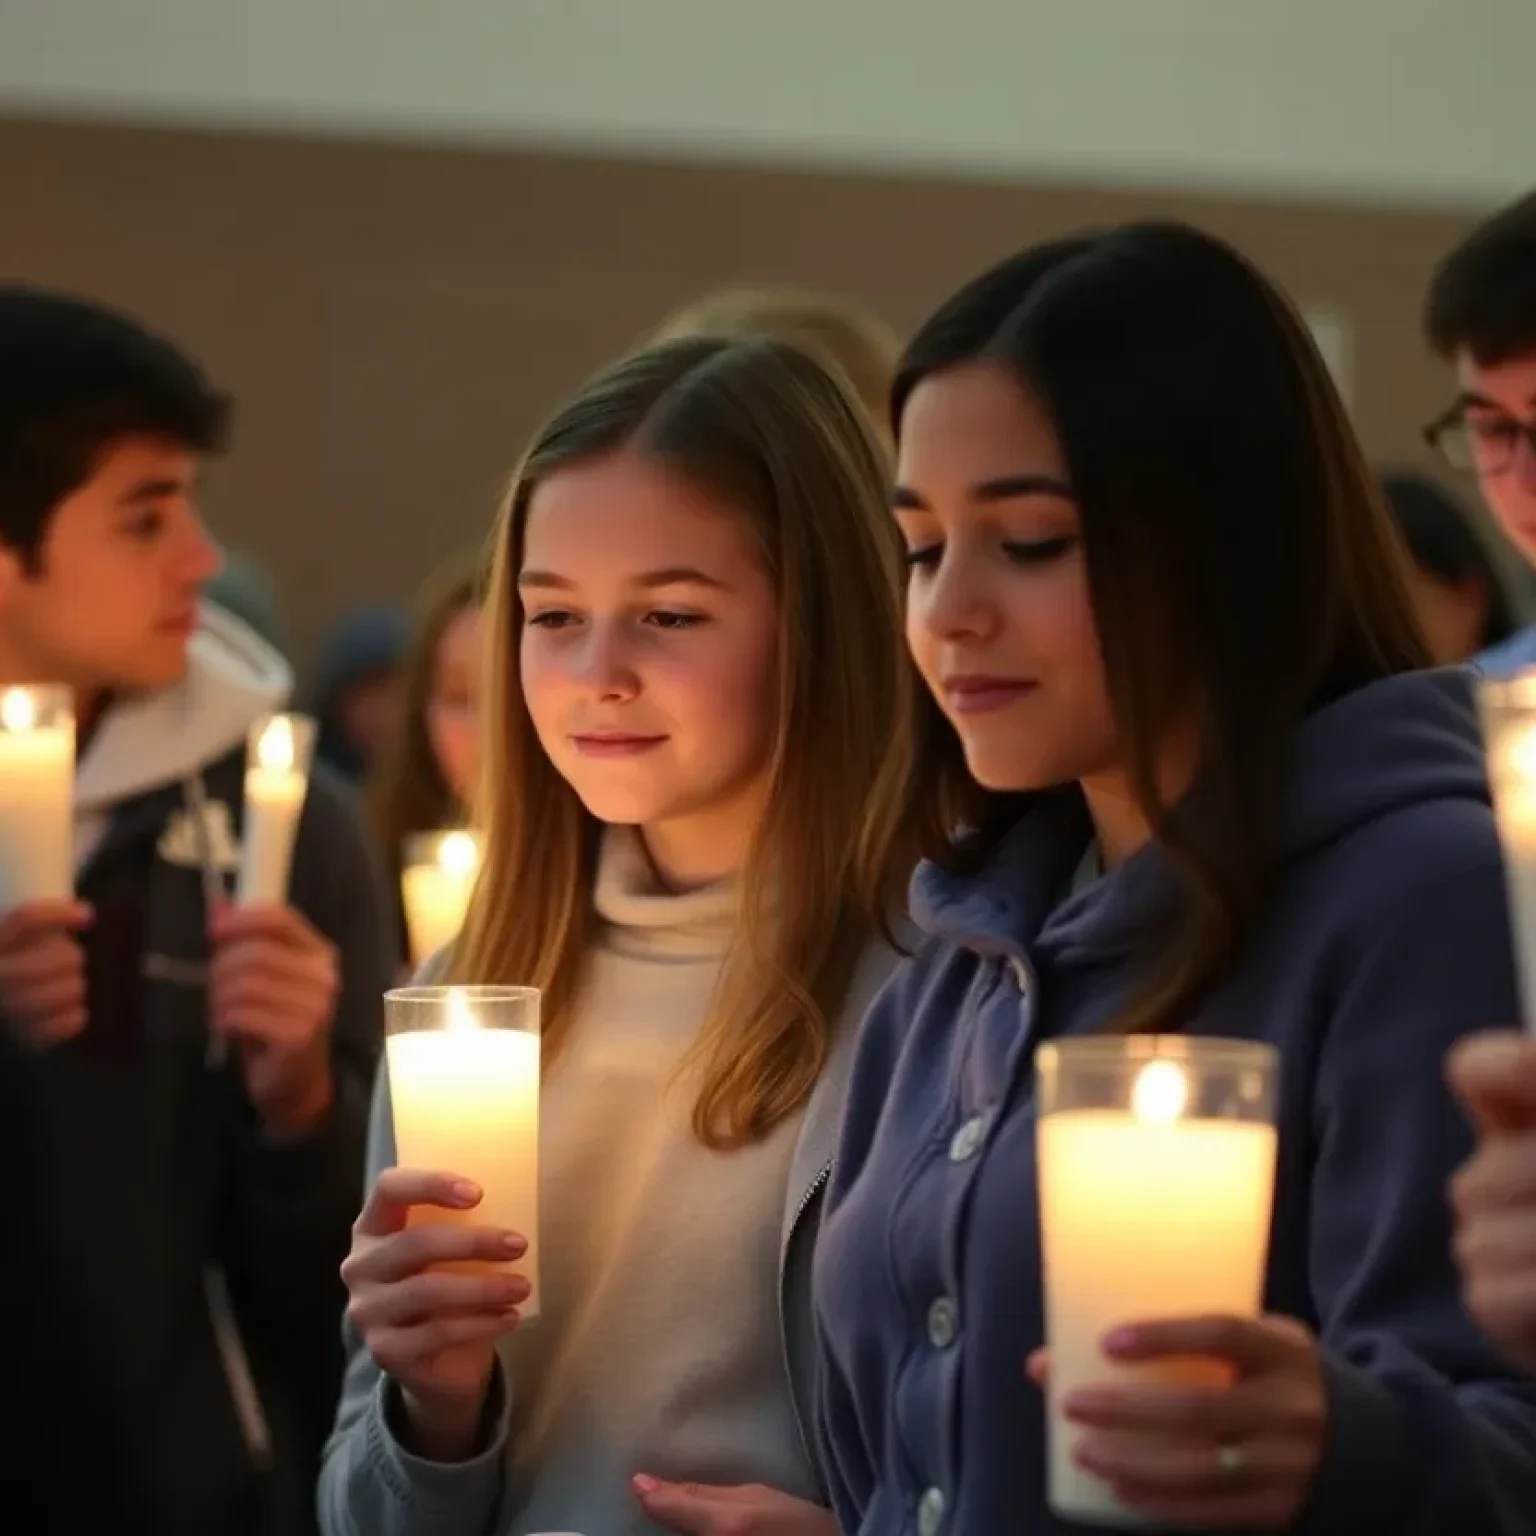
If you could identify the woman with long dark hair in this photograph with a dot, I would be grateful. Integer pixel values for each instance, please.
(1159, 602)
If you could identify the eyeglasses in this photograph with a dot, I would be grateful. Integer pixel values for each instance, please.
(1486, 443)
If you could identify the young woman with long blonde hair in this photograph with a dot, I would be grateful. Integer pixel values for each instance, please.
(702, 796)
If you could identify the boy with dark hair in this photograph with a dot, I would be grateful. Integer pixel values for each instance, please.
(192, 1204)
(1481, 317)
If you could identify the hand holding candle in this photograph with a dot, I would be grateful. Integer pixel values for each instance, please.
(1156, 1169)
(1494, 1194)
(276, 782)
(437, 878)
(432, 1328)
(42, 971)
(272, 991)
(1185, 1454)
(37, 780)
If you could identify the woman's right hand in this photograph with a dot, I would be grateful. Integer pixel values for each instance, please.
(1494, 1195)
(433, 1331)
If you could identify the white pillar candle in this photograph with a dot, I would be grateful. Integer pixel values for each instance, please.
(464, 1092)
(276, 782)
(1156, 1172)
(37, 780)
(1508, 711)
(437, 878)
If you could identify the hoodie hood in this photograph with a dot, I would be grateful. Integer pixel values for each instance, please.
(147, 741)
(1376, 751)
(244, 589)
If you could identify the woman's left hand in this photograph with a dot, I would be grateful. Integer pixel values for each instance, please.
(698, 1509)
(1241, 1456)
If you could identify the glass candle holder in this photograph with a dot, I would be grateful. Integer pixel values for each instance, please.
(1156, 1173)
(37, 786)
(1508, 711)
(463, 1068)
(437, 877)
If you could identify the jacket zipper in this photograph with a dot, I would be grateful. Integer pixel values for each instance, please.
(821, 1178)
(812, 1190)
(194, 796)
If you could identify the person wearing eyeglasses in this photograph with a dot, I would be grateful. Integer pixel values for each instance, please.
(1480, 316)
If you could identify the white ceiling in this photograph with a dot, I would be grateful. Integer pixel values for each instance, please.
(1395, 100)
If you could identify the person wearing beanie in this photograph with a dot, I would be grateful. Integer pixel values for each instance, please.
(357, 688)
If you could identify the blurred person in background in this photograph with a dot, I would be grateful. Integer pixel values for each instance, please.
(1205, 806)
(840, 334)
(195, 1077)
(359, 672)
(426, 779)
(1480, 316)
(1458, 592)
(702, 799)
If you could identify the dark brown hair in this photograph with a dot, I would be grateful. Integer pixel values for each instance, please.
(1241, 560)
(780, 441)
(76, 378)
(1444, 543)
(409, 793)
(1482, 298)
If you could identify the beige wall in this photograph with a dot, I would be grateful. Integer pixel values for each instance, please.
(1301, 98)
(394, 320)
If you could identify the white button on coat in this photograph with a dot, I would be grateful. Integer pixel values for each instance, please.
(943, 1323)
(964, 1143)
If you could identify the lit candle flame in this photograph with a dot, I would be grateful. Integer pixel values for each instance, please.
(1160, 1093)
(1520, 757)
(458, 854)
(17, 711)
(275, 749)
(459, 1016)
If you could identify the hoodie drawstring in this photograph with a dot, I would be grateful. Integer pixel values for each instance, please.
(194, 794)
(245, 1398)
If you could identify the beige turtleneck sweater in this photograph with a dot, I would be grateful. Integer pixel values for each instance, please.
(659, 1347)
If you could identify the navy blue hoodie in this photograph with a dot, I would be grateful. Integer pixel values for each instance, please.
(1385, 938)
(169, 1288)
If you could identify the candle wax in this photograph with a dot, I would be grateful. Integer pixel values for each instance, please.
(37, 779)
(466, 1101)
(436, 900)
(1515, 804)
(274, 801)
(1139, 1221)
